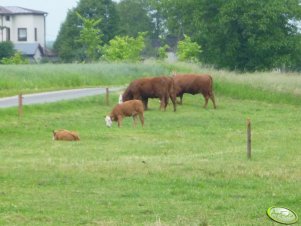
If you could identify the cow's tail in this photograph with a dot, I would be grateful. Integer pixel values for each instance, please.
(211, 82)
(172, 94)
(211, 94)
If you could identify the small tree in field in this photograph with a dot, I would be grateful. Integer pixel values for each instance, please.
(162, 52)
(90, 37)
(188, 50)
(124, 48)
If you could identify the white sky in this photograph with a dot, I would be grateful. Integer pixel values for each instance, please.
(56, 9)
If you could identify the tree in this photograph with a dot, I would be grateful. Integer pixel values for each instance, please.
(188, 50)
(243, 35)
(66, 44)
(124, 48)
(162, 52)
(142, 16)
(181, 16)
(251, 35)
(135, 17)
(90, 37)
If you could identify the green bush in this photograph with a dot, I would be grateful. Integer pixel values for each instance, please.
(15, 59)
(124, 48)
(188, 50)
(162, 52)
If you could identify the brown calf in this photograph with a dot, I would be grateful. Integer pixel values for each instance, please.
(65, 135)
(129, 108)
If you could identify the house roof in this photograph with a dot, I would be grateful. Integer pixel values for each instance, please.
(9, 10)
(28, 49)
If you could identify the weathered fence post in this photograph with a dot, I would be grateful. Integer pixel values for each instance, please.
(249, 141)
(107, 96)
(20, 104)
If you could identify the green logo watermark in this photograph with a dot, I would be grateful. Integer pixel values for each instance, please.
(282, 215)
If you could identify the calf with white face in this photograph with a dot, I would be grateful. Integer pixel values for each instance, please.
(108, 121)
(129, 108)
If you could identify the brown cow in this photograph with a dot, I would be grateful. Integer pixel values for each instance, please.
(155, 87)
(65, 135)
(126, 109)
(193, 84)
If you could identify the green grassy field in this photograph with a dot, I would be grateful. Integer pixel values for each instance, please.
(183, 168)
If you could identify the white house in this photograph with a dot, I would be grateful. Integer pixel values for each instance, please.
(25, 28)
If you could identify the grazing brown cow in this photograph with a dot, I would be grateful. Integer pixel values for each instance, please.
(155, 87)
(126, 109)
(193, 84)
(65, 135)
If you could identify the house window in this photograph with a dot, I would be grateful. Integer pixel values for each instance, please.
(7, 18)
(36, 34)
(7, 34)
(22, 34)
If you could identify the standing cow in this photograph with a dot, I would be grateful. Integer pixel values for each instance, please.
(156, 87)
(194, 84)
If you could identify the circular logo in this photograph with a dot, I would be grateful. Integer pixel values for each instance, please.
(282, 215)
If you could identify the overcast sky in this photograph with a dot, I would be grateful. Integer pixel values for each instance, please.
(56, 9)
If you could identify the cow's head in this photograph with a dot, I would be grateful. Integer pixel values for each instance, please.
(108, 121)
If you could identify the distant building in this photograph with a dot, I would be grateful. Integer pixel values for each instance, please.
(25, 28)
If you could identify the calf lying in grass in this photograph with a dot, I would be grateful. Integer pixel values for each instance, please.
(65, 135)
(126, 109)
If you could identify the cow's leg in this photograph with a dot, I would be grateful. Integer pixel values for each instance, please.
(181, 98)
(119, 120)
(145, 103)
(141, 116)
(162, 103)
(166, 101)
(206, 100)
(174, 101)
(134, 120)
(212, 99)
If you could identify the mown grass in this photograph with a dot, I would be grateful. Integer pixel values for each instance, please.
(183, 168)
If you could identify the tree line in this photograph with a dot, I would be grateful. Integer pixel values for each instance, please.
(250, 35)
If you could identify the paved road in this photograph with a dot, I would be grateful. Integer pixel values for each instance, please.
(48, 97)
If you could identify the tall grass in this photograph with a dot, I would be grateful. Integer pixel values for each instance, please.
(37, 78)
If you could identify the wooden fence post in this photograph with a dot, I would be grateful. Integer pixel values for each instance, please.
(249, 141)
(20, 104)
(107, 96)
